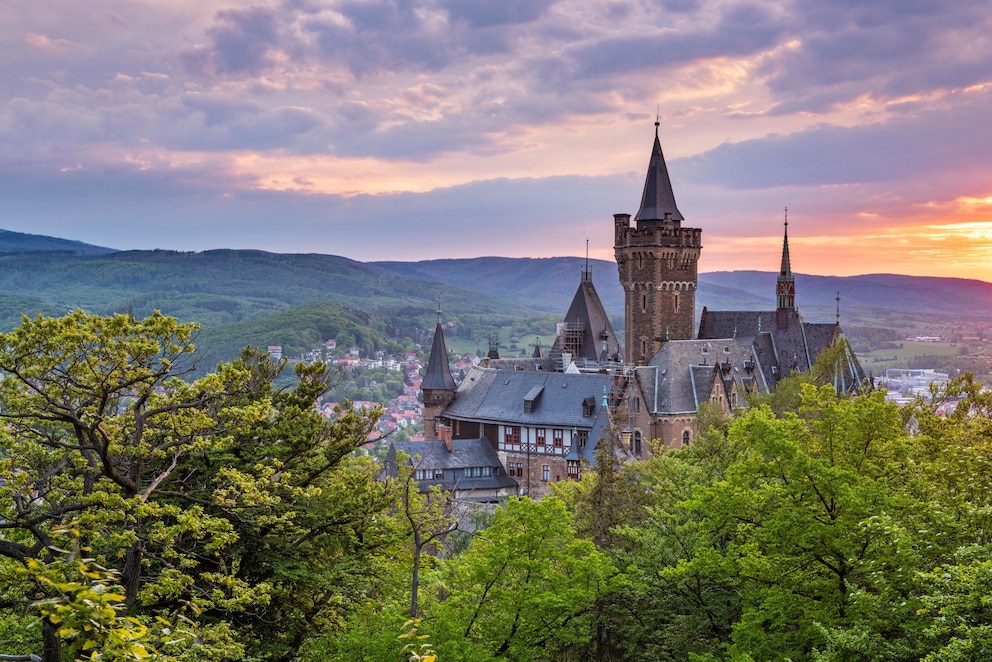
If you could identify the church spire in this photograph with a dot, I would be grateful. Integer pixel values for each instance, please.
(785, 287)
(658, 200)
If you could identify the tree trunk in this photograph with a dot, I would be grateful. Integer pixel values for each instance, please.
(51, 642)
(132, 575)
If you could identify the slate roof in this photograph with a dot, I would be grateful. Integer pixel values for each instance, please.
(600, 426)
(793, 345)
(438, 375)
(789, 339)
(588, 314)
(465, 453)
(497, 396)
(658, 197)
(544, 363)
(680, 376)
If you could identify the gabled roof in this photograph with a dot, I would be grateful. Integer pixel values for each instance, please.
(438, 376)
(785, 325)
(681, 375)
(499, 396)
(658, 197)
(587, 313)
(791, 345)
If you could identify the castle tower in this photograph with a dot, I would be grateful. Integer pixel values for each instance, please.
(657, 259)
(785, 285)
(438, 386)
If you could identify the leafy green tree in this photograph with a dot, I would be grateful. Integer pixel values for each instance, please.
(199, 496)
(671, 611)
(524, 589)
(819, 519)
(954, 450)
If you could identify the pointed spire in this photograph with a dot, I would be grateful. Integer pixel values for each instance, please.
(438, 375)
(785, 287)
(838, 306)
(658, 198)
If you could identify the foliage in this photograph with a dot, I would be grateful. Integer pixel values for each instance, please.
(523, 590)
(418, 649)
(207, 499)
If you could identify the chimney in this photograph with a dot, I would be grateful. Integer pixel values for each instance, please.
(444, 434)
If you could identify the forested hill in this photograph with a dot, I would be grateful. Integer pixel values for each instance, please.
(549, 283)
(19, 242)
(221, 286)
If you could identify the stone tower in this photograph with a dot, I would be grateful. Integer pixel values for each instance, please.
(657, 259)
(438, 386)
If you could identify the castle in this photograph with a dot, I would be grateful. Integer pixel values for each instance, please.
(544, 416)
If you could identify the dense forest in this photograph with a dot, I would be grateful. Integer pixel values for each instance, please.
(144, 516)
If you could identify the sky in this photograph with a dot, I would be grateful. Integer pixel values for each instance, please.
(420, 129)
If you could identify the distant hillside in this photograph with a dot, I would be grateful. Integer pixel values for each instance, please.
(297, 330)
(19, 242)
(890, 292)
(228, 291)
(549, 284)
(225, 286)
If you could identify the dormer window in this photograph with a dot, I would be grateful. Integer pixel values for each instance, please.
(588, 406)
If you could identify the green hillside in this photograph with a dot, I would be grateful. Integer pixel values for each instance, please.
(297, 330)
(222, 287)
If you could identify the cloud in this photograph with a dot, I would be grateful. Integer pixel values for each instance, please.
(489, 13)
(930, 144)
(242, 41)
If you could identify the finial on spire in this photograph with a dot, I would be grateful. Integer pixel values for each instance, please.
(838, 306)
(438, 308)
(657, 120)
(786, 221)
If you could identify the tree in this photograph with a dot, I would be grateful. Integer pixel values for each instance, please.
(524, 590)
(167, 481)
(820, 522)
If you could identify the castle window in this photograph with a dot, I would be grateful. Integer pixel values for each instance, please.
(644, 303)
(583, 437)
(559, 438)
(644, 347)
(511, 437)
(546, 472)
(573, 469)
(541, 434)
(675, 300)
(636, 444)
(686, 438)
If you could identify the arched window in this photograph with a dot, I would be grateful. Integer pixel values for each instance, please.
(644, 347)
(644, 303)
(686, 437)
(635, 444)
(676, 301)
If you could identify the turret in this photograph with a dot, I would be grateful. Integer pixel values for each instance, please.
(438, 386)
